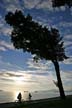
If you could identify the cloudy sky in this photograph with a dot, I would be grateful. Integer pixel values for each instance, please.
(17, 69)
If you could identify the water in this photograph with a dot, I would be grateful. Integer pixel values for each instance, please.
(12, 96)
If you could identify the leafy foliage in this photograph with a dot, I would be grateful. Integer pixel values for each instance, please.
(58, 3)
(32, 37)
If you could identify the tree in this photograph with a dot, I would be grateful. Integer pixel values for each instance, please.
(58, 3)
(40, 41)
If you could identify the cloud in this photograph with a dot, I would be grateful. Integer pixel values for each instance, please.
(10, 76)
(13, 75)
(6, 66)
(18, 77)
(10, 5)
(5, 45)
(68, 61)
(67, 79)
(62, 8)
(28, 78)
(5, 6)
(31, 3)
(2, 22)
(0, 57)
(40, 66)
(38, 4)
(35, 79)
(2, 48)
(44, 21)
(65, 24)
(6, 79)
(28, 74)
(13, 7)
(45, 4)
(5, 31)
(38, 73)
(68, 37)
(67, 44)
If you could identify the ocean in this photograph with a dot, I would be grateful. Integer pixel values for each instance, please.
(6, 96)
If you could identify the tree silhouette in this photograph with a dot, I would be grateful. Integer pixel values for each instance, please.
(40, 41)
(58, 3)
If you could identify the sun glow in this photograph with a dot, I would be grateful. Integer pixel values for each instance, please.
(16, 94)
(22, 79)
(18, 80)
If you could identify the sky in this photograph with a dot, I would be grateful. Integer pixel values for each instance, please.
(18, 71)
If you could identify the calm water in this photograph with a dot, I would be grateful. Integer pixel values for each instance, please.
(12, 96)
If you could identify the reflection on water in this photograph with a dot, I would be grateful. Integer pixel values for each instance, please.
(24, 95)
(12, 96)
(16, 94)
(6, 97)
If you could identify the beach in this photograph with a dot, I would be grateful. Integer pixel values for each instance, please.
(41, 103)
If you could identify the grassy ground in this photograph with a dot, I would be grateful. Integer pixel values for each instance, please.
(44, 103)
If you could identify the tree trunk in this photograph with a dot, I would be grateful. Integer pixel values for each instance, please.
(60, 86)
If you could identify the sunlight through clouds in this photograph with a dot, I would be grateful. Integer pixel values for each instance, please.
(17, 70)
(27, 78)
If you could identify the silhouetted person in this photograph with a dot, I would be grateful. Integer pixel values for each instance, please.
(29, 96)
(19, 97)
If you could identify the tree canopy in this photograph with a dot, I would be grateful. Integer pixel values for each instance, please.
(34, 38)
(58, 3)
